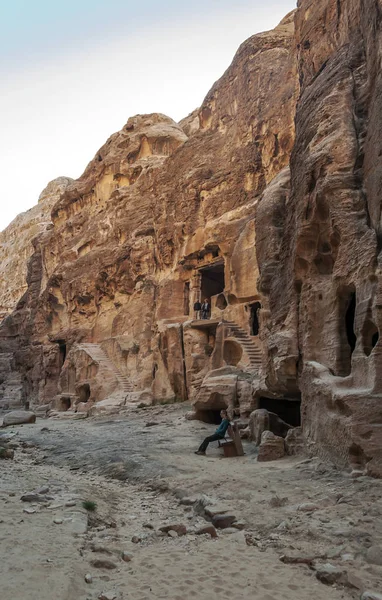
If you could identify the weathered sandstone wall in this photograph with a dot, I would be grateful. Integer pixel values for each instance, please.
(320, 277)
(162, 215)
(264, 200)
(16, 244)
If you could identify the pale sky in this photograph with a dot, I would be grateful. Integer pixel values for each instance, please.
(73, 72)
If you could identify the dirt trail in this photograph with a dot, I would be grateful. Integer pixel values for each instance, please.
(141, 471)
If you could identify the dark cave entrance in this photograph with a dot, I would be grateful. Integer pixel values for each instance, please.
(254, 318)
(65, 403)
(84, 392)
(347, 339)
(62, 352)
(212, 282)
(370, 335)
(288, 410)
(209, 416)
(349, 323)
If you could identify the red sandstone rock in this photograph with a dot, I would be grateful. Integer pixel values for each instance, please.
(271, 447)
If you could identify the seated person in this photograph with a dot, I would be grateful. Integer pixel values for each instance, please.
(218, 435)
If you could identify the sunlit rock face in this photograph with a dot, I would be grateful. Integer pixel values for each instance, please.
(163, 215)
(16, 246)
(320, 276)
(266, 201)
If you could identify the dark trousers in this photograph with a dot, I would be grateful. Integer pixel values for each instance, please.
(211, 438)
(204, 314)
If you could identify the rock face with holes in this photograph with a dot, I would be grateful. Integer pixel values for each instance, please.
(271, 214)
(318, 237)
(162, 216)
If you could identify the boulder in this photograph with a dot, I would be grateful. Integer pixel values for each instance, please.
(294, 441)
(261, 420)
(19, 417)
(374, 555)
(271, 447)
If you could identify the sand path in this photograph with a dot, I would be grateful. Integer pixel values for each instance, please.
(143, 477)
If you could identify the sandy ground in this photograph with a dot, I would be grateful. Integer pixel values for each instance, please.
(141, 471)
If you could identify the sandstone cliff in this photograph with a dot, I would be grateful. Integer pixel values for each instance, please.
(320, 277)
(265, 201)
(16, 245)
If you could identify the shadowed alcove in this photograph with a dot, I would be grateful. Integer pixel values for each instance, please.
(212, 282)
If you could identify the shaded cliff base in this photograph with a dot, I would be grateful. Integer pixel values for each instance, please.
(143, 478)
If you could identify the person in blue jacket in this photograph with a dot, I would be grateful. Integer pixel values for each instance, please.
(218, 435)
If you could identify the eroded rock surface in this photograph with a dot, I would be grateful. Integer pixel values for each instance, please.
(266, 201)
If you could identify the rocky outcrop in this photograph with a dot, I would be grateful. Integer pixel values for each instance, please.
(320, 277)
(161, 216)
(266, 201)
(16, 244)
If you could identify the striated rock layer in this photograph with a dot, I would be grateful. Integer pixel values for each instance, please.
(265, 200)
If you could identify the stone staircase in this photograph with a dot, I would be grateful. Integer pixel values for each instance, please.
(11, 385)
(247, 342)
(100, 357)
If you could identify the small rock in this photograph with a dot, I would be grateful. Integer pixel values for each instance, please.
(210, 529)
(29, 511)
(229, 530)
(34, 497)
(70, 503)
(329, 574)
(6, 453)
(277, 502)
(239, 525)
(107, 596)
(103, 563)
(179, 528)
(307, 507)
(216, 509)
(127, 556)
(223, 521)
(57, 521)
(371, 596)
(335, 552)
(136, 539)
(374, 555)
(272, 447)
(88, 578)
(187, 501)
(42, 490)
(172, 533)
(356, 473)
(100, 549)
(148, 526)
